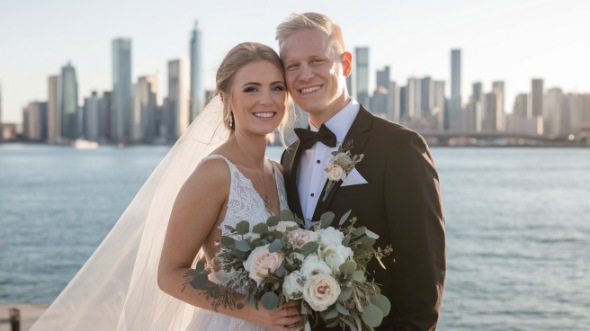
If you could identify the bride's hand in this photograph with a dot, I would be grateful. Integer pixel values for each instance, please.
(284, 318)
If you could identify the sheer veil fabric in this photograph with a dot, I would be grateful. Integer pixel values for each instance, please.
(117, 289)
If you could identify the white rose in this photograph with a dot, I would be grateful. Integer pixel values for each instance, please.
(313, 265)
(336, 173)
(321, 291)
(299, 238)
(260, 261)
(330, 236)
(293, 285)
(282, 226)
(336, 255)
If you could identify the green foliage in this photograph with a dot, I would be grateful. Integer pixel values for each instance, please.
(270, 300)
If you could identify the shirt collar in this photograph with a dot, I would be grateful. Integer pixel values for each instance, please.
(342, 121)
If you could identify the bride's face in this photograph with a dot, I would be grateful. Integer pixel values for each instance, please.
(258, 97)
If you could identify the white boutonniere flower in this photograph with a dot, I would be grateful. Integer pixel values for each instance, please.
(341, 165)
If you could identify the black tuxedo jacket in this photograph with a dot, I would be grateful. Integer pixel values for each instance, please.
(402, 204)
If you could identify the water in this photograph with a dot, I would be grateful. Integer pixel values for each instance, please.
(518, 230)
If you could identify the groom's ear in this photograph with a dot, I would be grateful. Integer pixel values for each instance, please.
(346, 63)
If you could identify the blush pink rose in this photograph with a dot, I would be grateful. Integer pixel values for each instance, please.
(260, 261)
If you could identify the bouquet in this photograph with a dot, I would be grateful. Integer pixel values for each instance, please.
(277, 261)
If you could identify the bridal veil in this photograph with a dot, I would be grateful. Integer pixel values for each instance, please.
(117, 289)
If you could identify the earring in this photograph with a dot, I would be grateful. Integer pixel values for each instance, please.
(231, 120)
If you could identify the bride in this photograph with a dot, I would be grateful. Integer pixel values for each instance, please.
(134, 280)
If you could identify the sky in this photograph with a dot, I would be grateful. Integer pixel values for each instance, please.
(509, 40)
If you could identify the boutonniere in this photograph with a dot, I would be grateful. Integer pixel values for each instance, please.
(341, 165)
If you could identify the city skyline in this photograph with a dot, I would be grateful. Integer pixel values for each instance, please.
(413, 39)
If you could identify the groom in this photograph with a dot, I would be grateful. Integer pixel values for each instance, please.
(393, 191)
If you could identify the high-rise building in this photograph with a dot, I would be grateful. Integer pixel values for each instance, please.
(362, 75)
(394, 102)
(383, 77)
(455, 100)
(92, 109)
(537, 94)
(493, 118)
(500, 87)
(196, 73)
(177, 103)
(413, 99)
(121, 107)
(426, 97)
(554, 121)
(1, 129)
(438, 106)
(104, 120)
(475, 111)
(68, 102)
(35, 121)
(143, 119)
(53, 113)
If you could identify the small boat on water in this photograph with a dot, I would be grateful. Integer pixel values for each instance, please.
(84, 144)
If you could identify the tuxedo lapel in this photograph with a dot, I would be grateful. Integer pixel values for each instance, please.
(358, 134)
(291, 170)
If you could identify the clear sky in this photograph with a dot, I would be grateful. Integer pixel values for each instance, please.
(510, 40)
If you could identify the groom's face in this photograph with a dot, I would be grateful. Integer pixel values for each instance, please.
(314, 74)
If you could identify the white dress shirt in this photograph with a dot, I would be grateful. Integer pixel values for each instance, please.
(312, 176)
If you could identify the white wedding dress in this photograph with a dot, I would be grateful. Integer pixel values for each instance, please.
(244, 203)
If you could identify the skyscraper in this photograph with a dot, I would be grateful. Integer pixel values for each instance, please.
(383, 77)
(196, 73)
(455, 101)
(92, 108)
(438, 104)
(121, 108)
(35, 121)
(393, 102)
(536, 104)
(413, 99)
(143, 117)
(426, 97)
(53, 114)
(68, 102)
(177, 107)
(362, 75)
(500, 87)
(1, 129)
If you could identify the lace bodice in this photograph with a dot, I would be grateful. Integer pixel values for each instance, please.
(244, 203)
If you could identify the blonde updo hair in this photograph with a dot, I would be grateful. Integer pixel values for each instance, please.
(239, 56)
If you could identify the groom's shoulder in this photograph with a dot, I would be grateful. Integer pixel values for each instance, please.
(387, 128)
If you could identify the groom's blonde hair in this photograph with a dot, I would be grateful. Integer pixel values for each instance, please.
(312, 21)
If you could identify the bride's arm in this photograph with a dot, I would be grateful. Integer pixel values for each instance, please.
(195, 214)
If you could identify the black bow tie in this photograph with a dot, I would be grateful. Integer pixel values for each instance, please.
(309, 138)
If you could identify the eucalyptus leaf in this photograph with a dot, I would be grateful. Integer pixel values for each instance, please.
(341, 309)
(287, 215)
(344, 217)
(273, 221)
(243, 227)
(359, 231)
(309, 248)
(275, 246)
(270, 300)
(326, 219)
(281, 270)
(243, 246)
(358, 275)
(367, 242)
(371, 234)
(240, 305)
(330, 314)
(348, 267)
(260, 228)
(382, 302)
(227, 241)
(372, 316)
(345, 294)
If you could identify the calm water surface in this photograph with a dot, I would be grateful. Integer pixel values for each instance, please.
(518, 227)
